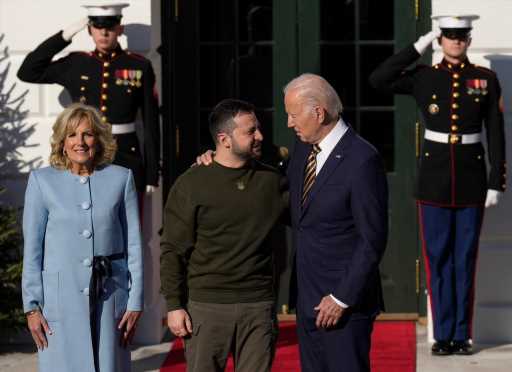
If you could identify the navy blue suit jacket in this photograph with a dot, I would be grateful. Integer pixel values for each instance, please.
(340, 234)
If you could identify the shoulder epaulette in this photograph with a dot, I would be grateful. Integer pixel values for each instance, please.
(87, 54)
(136, 56)
(484, 69)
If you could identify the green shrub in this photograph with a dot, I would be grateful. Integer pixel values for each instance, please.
(11, 310)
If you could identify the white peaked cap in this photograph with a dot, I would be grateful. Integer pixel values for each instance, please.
(105, 9)
(455, 21)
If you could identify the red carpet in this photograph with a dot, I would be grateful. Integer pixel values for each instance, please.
(393, 350)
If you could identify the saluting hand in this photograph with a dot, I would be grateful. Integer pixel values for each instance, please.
(38, 328)
(127, 326)
(179, 323)
(329, 313)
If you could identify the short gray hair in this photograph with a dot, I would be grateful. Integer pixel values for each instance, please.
(316, 90)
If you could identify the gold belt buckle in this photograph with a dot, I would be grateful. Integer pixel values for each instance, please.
(455, 138)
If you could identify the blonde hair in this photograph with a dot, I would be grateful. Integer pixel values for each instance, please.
(67, 122)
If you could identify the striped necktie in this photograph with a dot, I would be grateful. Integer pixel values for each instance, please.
(310, 173)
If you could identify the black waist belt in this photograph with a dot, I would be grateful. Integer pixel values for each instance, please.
(101, 271)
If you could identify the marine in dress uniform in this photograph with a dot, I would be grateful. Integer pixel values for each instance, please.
(457, 99)
(118, 82)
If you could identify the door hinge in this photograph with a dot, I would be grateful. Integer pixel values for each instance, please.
(417, 276)
(417, 9)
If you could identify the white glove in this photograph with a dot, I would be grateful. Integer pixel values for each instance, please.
(426, 40)
(75, 28)
(493, 197)
(150, 189)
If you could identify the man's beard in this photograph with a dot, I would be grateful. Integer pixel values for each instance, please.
(244, 154)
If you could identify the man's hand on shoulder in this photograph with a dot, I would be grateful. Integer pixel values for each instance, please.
(205, 158)
(328, 313)
(179, 322)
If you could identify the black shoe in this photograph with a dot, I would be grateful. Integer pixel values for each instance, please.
(441, 348)
(462, 348)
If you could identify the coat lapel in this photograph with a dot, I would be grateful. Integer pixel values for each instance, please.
(335, 158)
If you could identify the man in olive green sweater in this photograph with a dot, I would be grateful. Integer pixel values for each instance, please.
(216, 260)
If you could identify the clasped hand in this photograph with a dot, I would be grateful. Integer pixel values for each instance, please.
(328, 313)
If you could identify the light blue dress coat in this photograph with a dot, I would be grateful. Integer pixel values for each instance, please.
(67, 220)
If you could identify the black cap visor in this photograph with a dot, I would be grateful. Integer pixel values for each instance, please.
(456, 33)
(104, 21)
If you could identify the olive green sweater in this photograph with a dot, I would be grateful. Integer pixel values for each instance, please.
(217, 224)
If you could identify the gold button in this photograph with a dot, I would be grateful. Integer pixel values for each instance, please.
(436, 67)
(104, 118)
(434, 96)
(456, 94)
(82, 89)
(477, 99)
(455, 76)
(455, 117)
(106, 74)
(104, 85)
(456, 84)
(113, 54)
(479, 157)
(427, 154)
(103, 108)
(454, 138)
(463, 65)
(454, 128)
(104, 97)
(100, 55)
(106, 64)
(450, 65)
(133, 149)
(455, 105)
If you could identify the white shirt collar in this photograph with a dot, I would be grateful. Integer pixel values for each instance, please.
(329, 142)
(333, 137)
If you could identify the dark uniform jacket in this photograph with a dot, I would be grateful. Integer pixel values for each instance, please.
(119, 84)
(455, 99)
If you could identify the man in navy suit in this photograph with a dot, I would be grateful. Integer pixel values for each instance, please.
(339, 208)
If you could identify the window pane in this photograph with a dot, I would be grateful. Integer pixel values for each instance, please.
(205, 138)
(371, 57)
(378, 129)
(337, 64)
(216, 74)
(255, 75)
(349, 117)
(216, 20)
(337, 20)
(376, 20)
(255, 20)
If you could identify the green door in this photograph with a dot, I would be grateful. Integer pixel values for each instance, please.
(251, 49)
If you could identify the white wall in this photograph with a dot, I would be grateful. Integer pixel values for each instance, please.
(25, 24)
(492, 47)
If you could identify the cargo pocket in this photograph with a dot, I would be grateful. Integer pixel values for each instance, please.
(51, 296)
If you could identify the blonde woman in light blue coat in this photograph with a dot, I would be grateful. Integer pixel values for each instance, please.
(82, 267)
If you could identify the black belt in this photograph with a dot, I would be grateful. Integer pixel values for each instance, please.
(101, 271)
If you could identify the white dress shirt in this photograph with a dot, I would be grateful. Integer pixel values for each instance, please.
(327, 145)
